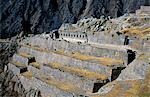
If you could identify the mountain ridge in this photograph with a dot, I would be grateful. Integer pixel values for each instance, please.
(38, 16)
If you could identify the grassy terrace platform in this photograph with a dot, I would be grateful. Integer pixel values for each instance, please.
(36, 65)
(18, 64)
(100, 60)
(27, 74)
(137, 31)
(17, 67)
(62, 85)
(77, 71)
(26, 55)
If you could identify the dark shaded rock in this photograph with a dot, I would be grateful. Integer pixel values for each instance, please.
(7, 49)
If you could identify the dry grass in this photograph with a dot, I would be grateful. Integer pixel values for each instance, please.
(133, 91)
(61, 52)
(100, 60)
(36, 65)
(18, 64)
(36, 48)
(145, 86)
(26, 55)
(61, 85)
(27, 74)
(80, 72)
(137, 31)
(144, 57)
(79, 56)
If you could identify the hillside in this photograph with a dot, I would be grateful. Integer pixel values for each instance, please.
(105, 57)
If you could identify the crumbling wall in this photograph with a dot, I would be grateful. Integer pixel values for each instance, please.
(74, 36)
(103, 38)
(44, 57)
(75, 47)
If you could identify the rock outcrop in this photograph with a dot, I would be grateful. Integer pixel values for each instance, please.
(38, 16)
(8, 48)
(10, 86)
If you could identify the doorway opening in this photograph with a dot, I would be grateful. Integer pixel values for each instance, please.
(131, 56)
(31, 60)
(126, 41)
(116, 72)
(98, 85)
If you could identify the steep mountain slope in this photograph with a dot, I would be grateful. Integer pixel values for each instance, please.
(44, 15)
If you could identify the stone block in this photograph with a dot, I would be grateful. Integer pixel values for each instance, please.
(46, 90)
(21, 59)
(44, 57)
(79, 81)
(135, 71)
(16, 70)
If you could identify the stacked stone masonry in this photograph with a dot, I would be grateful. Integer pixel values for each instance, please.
(42, 55)
(69, 63)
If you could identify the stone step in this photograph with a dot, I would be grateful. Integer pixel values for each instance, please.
(80, 77)
(76, 55)
(92, 49)
(36, 65)
(27, 74)
(83, 78)
(50, 87)
(26, 55)
(64, 86)
(24, 58)
(46, 56)
(77, 71)
(17, 67)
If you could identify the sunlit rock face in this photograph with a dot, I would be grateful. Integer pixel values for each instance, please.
(44, 15)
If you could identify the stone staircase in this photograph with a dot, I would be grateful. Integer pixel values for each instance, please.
(57, 73)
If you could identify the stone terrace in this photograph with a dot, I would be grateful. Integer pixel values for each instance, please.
(74, 63)
(58, 67)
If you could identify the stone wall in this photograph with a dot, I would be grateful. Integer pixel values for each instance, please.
(143, 10)
(101, 38)
(21, 59)
(14, 69)
(80, 82)
(74, 36)
(136, 70)
(45, 89)
(44, 57)
(75, 47)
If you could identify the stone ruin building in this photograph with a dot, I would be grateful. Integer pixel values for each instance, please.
(144, 10)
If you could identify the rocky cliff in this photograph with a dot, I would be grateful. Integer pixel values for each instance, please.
(39, 16)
